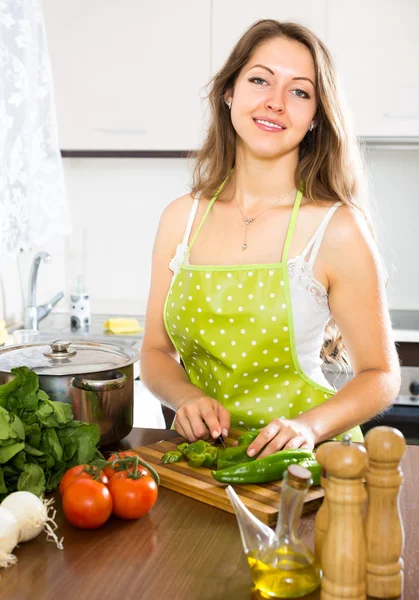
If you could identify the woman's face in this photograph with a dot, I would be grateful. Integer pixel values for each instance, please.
(274, 99)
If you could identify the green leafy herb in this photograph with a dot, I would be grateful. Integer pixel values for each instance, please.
(39, 438)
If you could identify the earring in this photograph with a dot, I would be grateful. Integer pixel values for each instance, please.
(228, 104)
(311, 126)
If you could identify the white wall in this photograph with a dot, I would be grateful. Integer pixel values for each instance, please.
(395, 187)
(119, 201)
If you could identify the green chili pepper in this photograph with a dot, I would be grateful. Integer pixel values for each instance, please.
(314, 468)
(235, 455)
(248, 437)
(269, 468)
(171, 457)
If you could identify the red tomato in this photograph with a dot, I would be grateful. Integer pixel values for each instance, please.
(78, 472)
(132, 498)
(109, 472)
(87, 504)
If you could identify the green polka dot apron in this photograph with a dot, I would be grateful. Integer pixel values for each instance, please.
(233, 329)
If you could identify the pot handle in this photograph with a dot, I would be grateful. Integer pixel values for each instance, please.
(100, 385)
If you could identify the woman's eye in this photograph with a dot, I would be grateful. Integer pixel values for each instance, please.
(301, 93)
(257, 80)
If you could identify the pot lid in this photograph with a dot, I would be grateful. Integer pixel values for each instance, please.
(62, 357)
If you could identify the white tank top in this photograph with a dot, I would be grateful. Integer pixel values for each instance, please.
(310, 305)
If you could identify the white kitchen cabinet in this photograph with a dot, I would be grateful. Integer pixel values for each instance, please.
(231, 18)
(375, 44)
(128, 75)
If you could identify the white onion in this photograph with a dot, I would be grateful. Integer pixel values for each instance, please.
(9, 537)
(32, 516)
(30, 512)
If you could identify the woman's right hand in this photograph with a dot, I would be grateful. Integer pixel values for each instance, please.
(201, 418)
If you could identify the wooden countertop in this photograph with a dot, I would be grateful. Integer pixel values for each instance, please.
(181, 550)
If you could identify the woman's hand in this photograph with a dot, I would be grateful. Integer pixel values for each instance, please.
(202, 418)
(282, 434)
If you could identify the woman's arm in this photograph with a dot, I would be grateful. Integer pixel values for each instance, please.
(358, 304)
(161, 371)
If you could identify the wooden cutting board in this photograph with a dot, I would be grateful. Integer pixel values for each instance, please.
(262, 500)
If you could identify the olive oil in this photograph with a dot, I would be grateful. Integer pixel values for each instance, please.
(285, 574)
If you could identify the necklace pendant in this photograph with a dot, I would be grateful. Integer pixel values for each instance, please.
(244, 246)
(246, 220)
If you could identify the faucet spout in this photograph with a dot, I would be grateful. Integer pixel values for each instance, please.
(45, 257)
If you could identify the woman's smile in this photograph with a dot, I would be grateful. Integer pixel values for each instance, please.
(269, 125)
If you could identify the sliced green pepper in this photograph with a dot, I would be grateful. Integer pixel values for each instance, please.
(263, 470)
(171, 457)
(203, 459)
(314, 468)
(196, 460)
(183, 448)
(199, 447)
(210, 457)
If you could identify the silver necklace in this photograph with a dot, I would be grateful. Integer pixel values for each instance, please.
(248, 221)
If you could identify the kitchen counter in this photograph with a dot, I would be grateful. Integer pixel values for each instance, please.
(181, 550)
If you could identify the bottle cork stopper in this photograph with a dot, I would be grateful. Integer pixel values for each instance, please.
(346, 460)
(299, 477)
(385, 444)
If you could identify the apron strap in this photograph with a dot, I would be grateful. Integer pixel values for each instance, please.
(291, 225)
(217, 193)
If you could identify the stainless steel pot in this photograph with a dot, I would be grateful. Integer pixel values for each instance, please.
(97, 379)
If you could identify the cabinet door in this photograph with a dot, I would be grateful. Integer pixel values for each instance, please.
(376, 48)
(232, 18)
(128, 75)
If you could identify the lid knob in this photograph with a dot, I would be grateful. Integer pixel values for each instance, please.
(60, 349)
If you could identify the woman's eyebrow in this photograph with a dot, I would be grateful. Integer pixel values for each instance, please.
(272, 73)
(305, 79)
(263, 67)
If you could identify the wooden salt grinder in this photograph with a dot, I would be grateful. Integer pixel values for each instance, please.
(384, 528)
(344, 553)
(321, 521)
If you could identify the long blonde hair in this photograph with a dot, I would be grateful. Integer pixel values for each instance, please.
(331, 164)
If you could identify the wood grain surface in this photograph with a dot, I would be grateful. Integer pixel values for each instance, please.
(198, 483)
(181, 550)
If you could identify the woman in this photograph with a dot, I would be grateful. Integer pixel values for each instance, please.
(276, 247)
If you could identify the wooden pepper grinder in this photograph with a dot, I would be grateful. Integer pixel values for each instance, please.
(344, 553)
(384, 528)
(321, 521)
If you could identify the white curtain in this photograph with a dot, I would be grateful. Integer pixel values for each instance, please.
(32, 191)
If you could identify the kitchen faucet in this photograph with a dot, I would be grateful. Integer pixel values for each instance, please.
(33, 313)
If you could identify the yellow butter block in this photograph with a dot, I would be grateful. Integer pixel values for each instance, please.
(2, 324)
(121, 325)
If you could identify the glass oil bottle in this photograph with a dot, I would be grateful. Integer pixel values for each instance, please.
(285, 568)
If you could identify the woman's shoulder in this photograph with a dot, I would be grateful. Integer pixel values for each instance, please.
(175, 215)
(347, 225)
(348, 240)
(179, 207)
